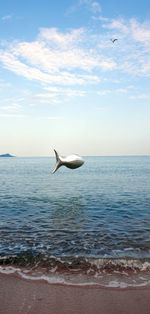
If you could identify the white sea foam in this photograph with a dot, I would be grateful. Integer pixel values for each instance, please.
(8, 270)
(106, 280)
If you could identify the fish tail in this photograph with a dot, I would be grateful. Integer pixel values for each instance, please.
(58, 161)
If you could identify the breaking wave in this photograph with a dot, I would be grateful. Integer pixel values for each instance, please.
(124, 272)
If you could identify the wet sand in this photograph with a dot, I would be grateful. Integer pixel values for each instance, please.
(19, 296)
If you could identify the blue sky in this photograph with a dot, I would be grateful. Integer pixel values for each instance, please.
(65, 85)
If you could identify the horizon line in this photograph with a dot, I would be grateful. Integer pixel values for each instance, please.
(119, 155)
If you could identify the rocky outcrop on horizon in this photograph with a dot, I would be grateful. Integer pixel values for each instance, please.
(6, 155)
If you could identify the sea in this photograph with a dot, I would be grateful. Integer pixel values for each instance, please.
(88, 226)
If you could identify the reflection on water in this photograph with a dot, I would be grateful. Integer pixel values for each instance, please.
(69, 214)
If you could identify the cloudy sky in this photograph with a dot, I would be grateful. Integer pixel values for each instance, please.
(65, 85)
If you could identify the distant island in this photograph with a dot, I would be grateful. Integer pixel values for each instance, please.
(7, 155)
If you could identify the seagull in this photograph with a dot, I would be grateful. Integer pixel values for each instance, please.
(113, 40)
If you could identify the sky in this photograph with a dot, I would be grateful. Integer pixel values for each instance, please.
(65, 85)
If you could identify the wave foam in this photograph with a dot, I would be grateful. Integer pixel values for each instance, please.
(106, 279)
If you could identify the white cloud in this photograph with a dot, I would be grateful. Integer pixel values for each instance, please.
(140, 32)
(100, 18)
(133, 46)
(50, 118)
(121, 90)
(56, 58)
(107, 65)
(7, 17)
(141, 96)
(78, 57)
(56, 95)
(47, 98)
(65, 91)
(12, 107)
(18, 116)
(44, 95)
(56, 39)
(104, 92)
(130, 30)
(113, 91)
(117, 24)
(89, 5)
(95, 7)
(55, 52)
(12, 63)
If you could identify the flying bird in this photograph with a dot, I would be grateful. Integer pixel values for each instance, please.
(72, 161)
(113, 40)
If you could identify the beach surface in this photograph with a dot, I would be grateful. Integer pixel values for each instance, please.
(20, 296)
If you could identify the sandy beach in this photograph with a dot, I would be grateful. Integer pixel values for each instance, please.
(19, 296)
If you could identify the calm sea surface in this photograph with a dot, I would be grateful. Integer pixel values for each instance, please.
(91, 219)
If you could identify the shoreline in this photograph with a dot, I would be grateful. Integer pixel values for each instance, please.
(21, 296)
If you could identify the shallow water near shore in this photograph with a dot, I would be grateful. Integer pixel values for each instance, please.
(85, 226)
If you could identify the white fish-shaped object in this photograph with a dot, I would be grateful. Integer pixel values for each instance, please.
(72, 161)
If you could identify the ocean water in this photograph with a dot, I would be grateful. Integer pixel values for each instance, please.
(90, 225)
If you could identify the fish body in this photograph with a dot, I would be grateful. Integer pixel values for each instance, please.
(72, 161)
